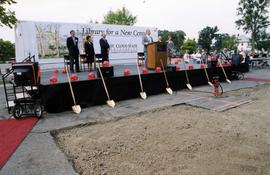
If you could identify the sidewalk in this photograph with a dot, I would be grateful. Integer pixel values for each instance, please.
(39, 154)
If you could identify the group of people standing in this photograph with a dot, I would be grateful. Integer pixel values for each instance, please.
(72, 45)
(73, 49)
(147, 39)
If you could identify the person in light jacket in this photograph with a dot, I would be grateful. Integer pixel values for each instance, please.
(147, 38)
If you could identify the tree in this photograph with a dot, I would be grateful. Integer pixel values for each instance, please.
(7, 50)
(253, 18)
(121, 16)
(178, 37)
(206, 37)
(190, 46)
(264, 41)
(224, 40)
(218, 45)
(230, 42)
(265, 44)
(7, 17)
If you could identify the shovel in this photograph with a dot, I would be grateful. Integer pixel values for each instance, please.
(95, 63)
(110, 102)
(208, 77)
(168, 89)
(188, 84)
(142, 93)
(76, 108)
(229, 81)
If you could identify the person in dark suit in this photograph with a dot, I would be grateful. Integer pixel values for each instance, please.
(72, 45)
(89, 51)
(105, 47)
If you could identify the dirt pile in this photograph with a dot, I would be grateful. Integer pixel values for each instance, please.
(177, 140)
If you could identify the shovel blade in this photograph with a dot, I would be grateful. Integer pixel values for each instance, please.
(111, 103)
(229, 81)
(210, 84)
(143, 95)
(169, 90)
(189, 86)
(77, 109)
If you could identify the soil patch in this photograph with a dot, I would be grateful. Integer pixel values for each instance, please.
(177, 140)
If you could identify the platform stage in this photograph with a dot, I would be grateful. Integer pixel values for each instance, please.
(57, 97)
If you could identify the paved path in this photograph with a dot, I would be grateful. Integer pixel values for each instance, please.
(39, 154)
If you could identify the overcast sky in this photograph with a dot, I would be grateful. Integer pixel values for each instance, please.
(188, 15)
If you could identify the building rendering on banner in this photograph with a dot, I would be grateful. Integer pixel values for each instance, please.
(47, 40)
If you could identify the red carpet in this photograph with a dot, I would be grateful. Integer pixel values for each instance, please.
(12, 133)
(257, 79)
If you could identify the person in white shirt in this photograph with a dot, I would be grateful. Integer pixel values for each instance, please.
(204, 57)
(159, 39)
(243, 56)
(186, 58)
(198, 57)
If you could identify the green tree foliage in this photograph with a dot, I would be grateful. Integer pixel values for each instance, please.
(206, 37)
(230, 42)
(178, 37)
(264, 41)
(7, 17)
(190, 46)
(253, 18)
(7, 50)
(121, 16)
(224, 40)
(218, 45)
(264, 45)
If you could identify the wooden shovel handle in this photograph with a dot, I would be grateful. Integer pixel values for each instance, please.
(223, 71)
(104, 84)
(140, 79)
(164, 73)
(206, 74)
(70, 86)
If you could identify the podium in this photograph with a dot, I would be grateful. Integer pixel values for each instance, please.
(155, 52)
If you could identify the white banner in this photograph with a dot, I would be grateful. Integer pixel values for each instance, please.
(47, 40)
